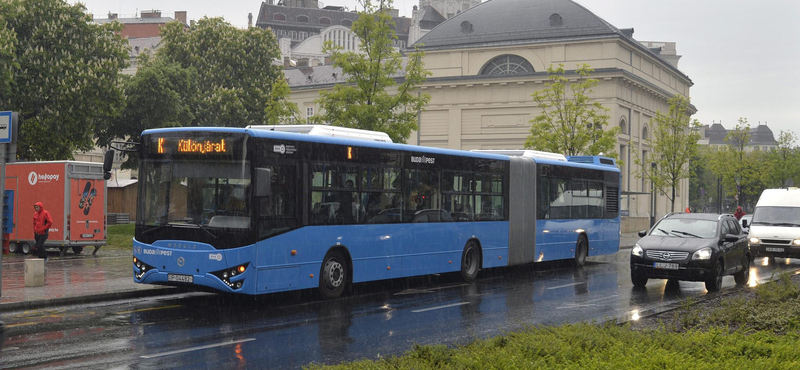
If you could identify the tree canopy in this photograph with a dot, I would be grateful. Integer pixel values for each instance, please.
(60, 71)
(674, 143)
(364, 101)
(569, 122)
(212, 74)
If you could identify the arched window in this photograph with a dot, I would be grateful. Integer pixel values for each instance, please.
(302, 19)
(623, 126)
(507, 64)
(645, 133)
(279, 17)
(325, 21)
(347, 22)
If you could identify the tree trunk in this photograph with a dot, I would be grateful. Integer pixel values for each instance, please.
(673, 199)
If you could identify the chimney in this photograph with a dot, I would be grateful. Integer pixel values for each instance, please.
(112, 16)
(151, 13)
(628, 32)
(249, 20)
(180, 16)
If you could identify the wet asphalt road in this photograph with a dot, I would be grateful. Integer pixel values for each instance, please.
(206, 330)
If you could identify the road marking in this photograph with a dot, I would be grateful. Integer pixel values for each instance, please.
(565, 285)
(21, 324)
(440, 307)
(198, 348)
(148, 309)
(10, 348)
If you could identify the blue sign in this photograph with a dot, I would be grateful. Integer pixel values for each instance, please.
(8, 212)
(5, 127)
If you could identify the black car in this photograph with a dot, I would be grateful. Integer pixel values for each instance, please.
(693, 247)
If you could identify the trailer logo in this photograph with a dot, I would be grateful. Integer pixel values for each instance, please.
(215, 256)
(34, 178)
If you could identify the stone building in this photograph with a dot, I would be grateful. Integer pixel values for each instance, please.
(761, 137)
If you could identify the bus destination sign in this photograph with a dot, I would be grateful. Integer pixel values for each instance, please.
(190, 146)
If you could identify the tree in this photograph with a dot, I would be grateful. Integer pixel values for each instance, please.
(570, 123)
(743, 175)
(363, 101)
(63, 78)
(784, 161)
(674, 143)
(212, 74)
(159, 95)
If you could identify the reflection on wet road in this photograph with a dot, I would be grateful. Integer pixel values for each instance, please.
(291, 330)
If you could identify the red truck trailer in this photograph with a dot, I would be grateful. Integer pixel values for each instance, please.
(75, 195)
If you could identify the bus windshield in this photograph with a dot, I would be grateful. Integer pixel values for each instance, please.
(205, 193)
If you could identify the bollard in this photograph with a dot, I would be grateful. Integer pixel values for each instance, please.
(34, 272)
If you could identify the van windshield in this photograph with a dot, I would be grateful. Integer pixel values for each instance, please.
(777, 216)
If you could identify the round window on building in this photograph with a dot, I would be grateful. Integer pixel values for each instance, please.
(507, 64)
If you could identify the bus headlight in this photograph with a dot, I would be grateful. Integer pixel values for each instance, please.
(637, 250)
(754, 241)
(702, 254)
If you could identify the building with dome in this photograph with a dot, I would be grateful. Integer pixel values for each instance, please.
(488, 60)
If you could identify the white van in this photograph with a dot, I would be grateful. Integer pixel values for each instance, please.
(775, 227)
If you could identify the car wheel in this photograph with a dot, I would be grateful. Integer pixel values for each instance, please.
(743, 276)
(470, 262)
(638, 280)
(715, 281)
(581, 251)
(333, 275)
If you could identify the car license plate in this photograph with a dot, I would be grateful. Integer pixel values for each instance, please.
(180, 278)
(665, 265)
(774, 249)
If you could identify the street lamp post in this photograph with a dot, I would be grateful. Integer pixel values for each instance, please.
(652, 196)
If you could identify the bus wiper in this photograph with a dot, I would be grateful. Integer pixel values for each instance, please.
(201, 227)
(685, 233)
(158, 226)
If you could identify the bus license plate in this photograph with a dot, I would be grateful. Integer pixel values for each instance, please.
(774, 249)
(665, 265)
(180, 278)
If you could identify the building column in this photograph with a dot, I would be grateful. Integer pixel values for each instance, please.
(454, 129)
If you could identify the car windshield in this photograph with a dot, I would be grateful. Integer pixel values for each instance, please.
(777, 216)
(686, 228)
(207, 193)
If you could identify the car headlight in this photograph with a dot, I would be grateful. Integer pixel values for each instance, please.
(754, 241)
(702, 254)
(637, 250)
(796, 242)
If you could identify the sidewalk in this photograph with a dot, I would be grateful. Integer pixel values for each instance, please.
(73, 279)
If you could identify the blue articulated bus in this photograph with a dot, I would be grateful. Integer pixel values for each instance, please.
(254, 211)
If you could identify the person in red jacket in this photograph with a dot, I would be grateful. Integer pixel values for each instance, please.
(41, 226)
(739, 213)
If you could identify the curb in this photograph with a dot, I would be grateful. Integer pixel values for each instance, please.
(93, 298)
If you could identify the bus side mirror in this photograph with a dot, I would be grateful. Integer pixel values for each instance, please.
(108, 160)
(263, 182)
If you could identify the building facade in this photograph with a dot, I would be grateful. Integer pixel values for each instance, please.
(761, 137)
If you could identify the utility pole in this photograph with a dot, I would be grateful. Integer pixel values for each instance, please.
(8, 144)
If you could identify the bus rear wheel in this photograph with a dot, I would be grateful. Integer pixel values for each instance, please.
(333, 275)
(470, 262)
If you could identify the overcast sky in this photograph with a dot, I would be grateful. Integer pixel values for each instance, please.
(740, 54)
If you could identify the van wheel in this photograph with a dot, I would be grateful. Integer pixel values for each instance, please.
(13, 247)
(470, 262)
(77, 249)
(26, 248)
(333, 275)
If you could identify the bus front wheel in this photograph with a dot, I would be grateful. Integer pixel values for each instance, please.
(333, 277)
(581, 251)
(470, 262)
